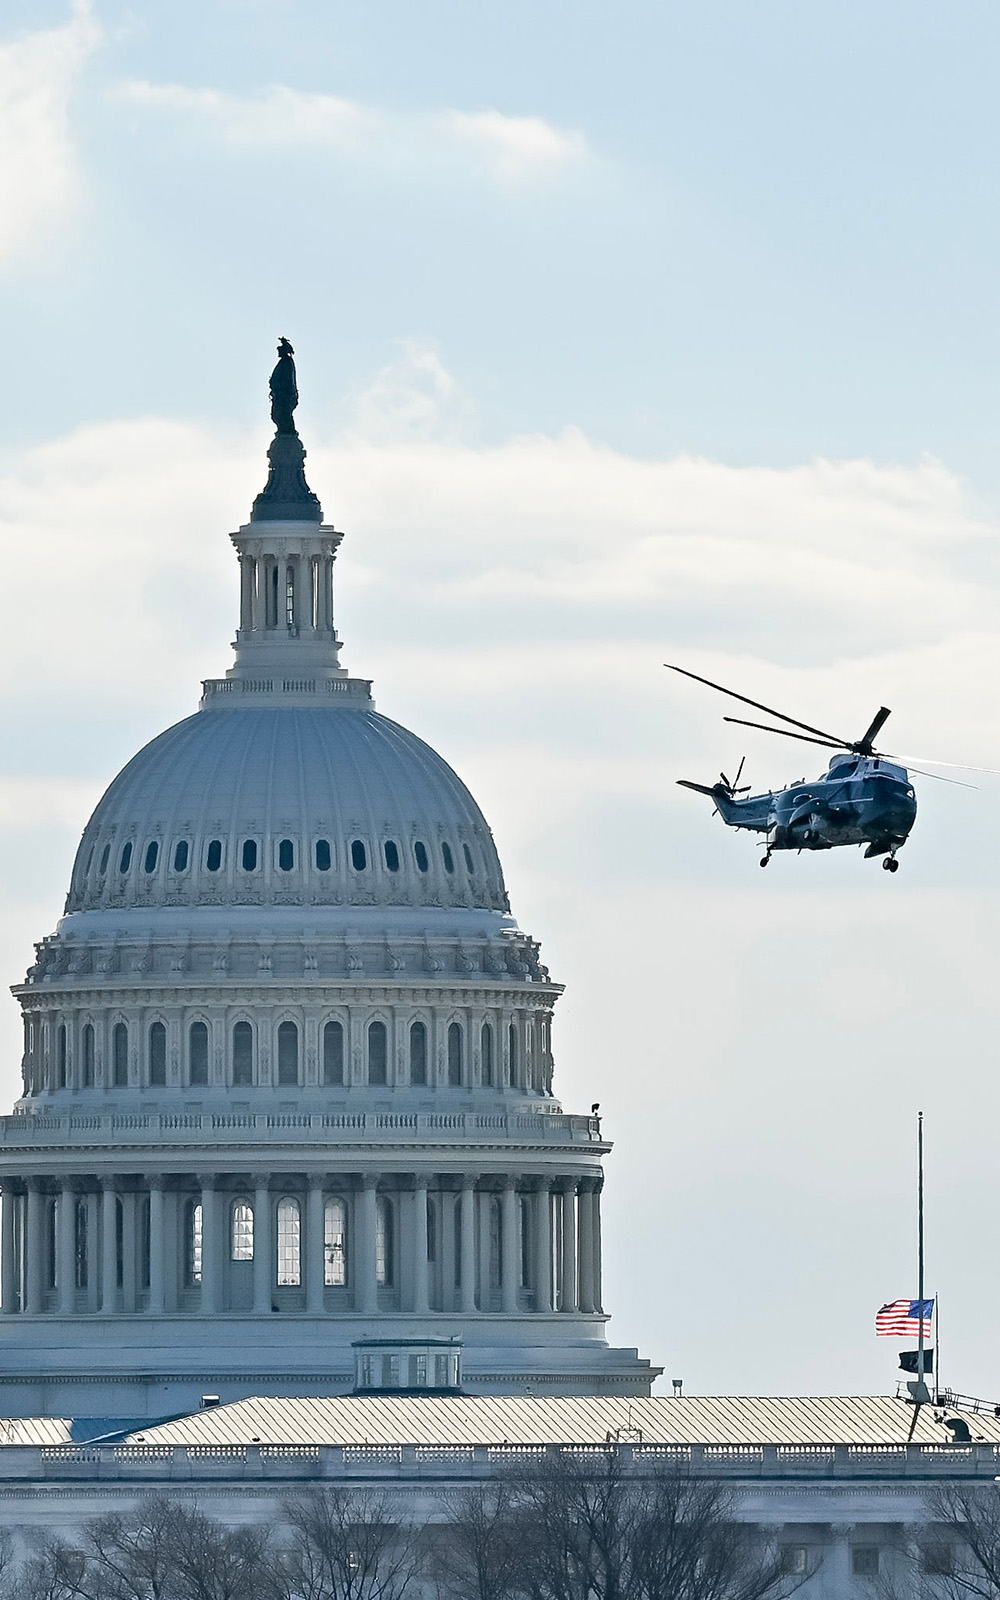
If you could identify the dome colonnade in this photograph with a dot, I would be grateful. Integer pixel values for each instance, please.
(288, 1057)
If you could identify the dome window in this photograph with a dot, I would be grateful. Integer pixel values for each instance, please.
(385, 1264)
(157, 1055)
(213, 855)
(418, 1054)
(470, 865)
(88, 1055)
(198, 1053)
(152, 856)
(288, 1053)
(455, 1053)
(378, 1054)
(103, 865)
(324, 858)
(242, 1054)
(359, 855)
(62, 1062)
(334, 1243)
(333, 1053)
(289, 1244)
(447, 858)
(420, 856)
(125, 860)
(248, 858)
(286, 855)
(119, 1055)
(487, 1055)
(181, 852)
(241, 1231)
(391, 852)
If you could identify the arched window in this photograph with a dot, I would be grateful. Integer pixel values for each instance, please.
(103, 863)
(334, 1243)
(447, 858)
(182, 851)
(420, 856)
(242, 1054)
(151, 857)
(125, 859)
(288, 1053)
(192, 1242)
(119, 1055)
(486, 1045)
(198, 1053)
(213, 855)
(286, 855)
(470, 865)
(241, 1231)
(454, 1054)
(62, 1056)
(324, 858)
(289, 1244)
(391, 852)
(377, 1053)
(333, 1053)
(418, 1054)
(157, 1054)
(385, 1265)
(88, 1055)
(248, 858)
(359, 855)
(80, 1253)
(512, 1046)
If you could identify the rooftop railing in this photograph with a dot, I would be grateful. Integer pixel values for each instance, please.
(325, 1127)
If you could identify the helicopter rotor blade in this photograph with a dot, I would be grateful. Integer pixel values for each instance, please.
(786, 733)
(874, 728)
(739, 771)
(838, 744)
(938, 778)
(958, 766)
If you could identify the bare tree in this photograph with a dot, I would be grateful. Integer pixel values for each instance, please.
(349, 1545)
(955, 1555)
(160, 1551)
(591, 1526)
(475, 1555)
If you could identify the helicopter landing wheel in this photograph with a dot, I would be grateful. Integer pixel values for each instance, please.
(890, 864)
(763, 861)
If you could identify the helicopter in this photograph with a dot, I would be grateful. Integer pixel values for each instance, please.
(864, 797)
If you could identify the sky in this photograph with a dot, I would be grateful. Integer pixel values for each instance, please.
(625, 334)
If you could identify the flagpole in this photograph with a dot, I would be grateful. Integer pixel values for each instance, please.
(920, 1248)
(937, 1348)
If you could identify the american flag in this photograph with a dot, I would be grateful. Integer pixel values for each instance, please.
(905, 1319)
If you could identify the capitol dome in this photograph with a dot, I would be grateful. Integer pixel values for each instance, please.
(288, 1121)
(276, 805)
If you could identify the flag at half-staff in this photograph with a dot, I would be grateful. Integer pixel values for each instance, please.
(905, 1319)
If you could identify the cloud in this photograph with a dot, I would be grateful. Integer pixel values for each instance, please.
(40, 179)
(517, 148)
(276, 116)
(511, 150)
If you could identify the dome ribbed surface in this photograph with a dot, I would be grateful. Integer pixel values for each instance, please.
(288, 790)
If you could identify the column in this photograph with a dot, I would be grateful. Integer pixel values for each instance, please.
(568, 1202)
(446, 1207)
(263, 1249)
(34, 1255)
(66, 1250)
(303, 594)
(109, 1246)
(585, 1245)
(510, 1252)
(325, 606)
(8, 1266)
(543, 1246)
(246, 593)
(93, 1251)
(365, 1281)
(157, 1276)
(211, 1237)
(598, 1289)
(421, 1289)
(129, 1301)
(313, 1263)
(467, 1244)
